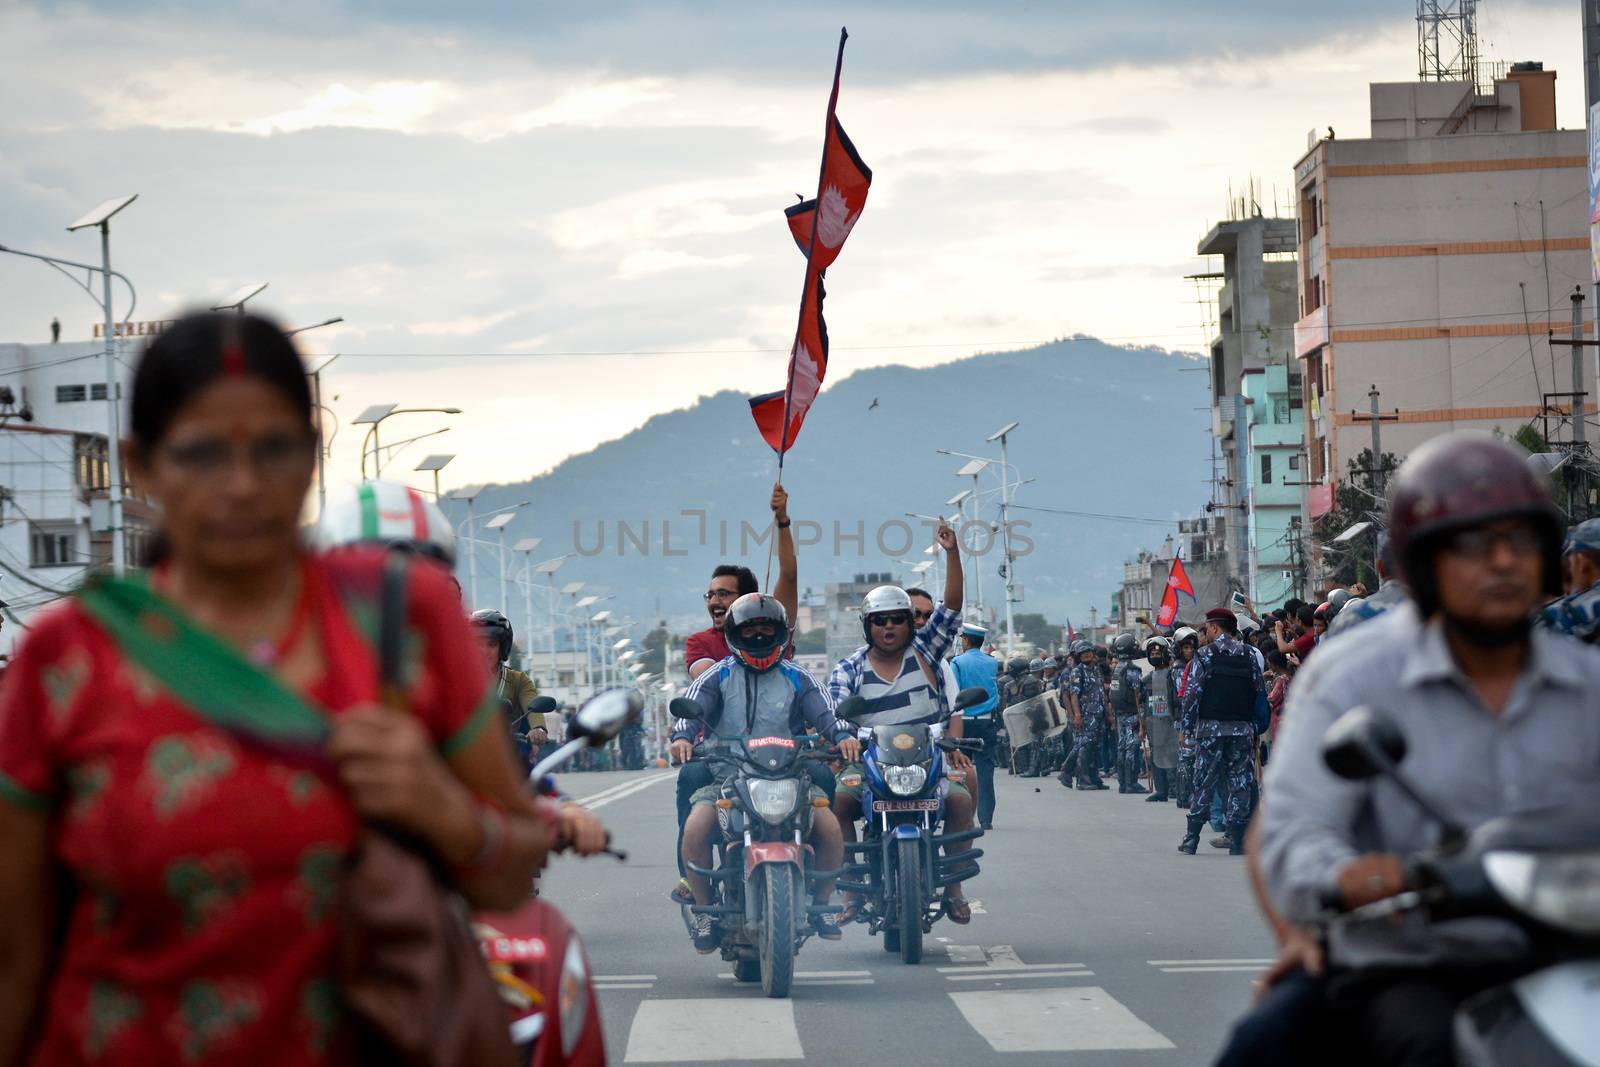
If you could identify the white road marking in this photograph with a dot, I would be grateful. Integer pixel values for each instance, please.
(1009, 974)
(624, 978)
(615, 787)
(607, 986)
(1223, 967)
(1004, 956)
(801, 976)
(1015, 967)
(977, 907)
(674, 1031)
(1056, 1020)
(634, 787)
(1188, 963)
(967, 954)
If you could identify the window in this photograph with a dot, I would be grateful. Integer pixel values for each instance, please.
(91, 464)
(71, 394)
(54, 545)
(1294, 462)
(97, 391)
(1266, 468)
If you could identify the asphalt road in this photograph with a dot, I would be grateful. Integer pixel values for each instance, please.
(1096, 942)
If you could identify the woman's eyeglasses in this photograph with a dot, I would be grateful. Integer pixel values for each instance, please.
(274, 456)
(898, 618)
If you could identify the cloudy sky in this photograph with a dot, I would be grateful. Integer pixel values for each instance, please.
(563, 218)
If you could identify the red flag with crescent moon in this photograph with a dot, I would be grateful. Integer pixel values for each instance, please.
(819, 227)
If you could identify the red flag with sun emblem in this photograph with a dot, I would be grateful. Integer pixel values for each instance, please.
(820, 231)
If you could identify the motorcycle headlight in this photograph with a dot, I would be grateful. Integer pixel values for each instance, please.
(1558, 888)
(574, 994)
(905, 781)
(773, 801)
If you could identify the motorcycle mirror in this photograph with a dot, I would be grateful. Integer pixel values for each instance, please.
(850, 709)
(543, 705)
(1362, 744)
(605, 716)
(684, 708)
(970, 698)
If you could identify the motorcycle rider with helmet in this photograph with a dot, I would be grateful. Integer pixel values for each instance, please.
(897, 672)
(516, 689)
(755, 692)
(1499, 719)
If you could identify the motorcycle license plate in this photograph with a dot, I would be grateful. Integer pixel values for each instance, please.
(930, 804)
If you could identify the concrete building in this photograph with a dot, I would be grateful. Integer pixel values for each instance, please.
(1256, 310)
(1273, 429)
(1144, 579)
(1435, 255)
(55, 478)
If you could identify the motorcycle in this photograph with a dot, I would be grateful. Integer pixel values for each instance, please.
(534, 955)
(1539, 870)
(903, 806)
(761, 877)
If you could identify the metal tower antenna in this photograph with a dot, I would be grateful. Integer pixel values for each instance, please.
(1447, 40)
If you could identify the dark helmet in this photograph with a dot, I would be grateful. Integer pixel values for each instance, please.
(1125, 645)
(1337, 600)
(1080, 646)
(1017, 665)
(758, 651)
(495, 625)
(1459, 481)
(1157, 649)
(1036, 666)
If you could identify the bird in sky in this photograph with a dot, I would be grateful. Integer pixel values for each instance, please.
(873, 405)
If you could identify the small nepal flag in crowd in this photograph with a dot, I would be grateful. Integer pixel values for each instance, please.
(1177, 582)
(819, 226)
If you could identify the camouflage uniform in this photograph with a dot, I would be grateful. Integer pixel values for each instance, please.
(1085, 683)
(1184, 787)
(1577, 615)
(1223, 748)
(1127, 677)
(1014, 690)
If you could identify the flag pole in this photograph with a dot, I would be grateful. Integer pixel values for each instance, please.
(811, 247)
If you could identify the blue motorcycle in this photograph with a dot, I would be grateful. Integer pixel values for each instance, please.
(901, 864)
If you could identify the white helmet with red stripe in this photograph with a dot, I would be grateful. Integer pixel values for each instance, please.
(386, 513)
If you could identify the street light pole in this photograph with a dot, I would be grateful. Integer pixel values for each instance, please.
(119, 548)
(1005, 530)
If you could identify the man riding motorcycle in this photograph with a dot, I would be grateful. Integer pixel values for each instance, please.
(755, 692)
(514, 687)
(897, 672)
(1498, 718)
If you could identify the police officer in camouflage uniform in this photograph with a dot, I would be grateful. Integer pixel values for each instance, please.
(1219, 710)
(1030, 761)
(1578, 613)
(1127, 701)
(1013, 683)
(1087, 698)
(1187, 642)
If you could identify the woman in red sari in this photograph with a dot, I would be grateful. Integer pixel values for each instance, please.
(166, 892)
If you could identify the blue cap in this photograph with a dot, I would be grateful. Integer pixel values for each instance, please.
(1584, 537)
(972, 629)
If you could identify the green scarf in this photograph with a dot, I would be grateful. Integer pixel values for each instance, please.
(199, 668)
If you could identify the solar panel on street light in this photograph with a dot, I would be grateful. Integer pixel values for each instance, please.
(240, 295)
(1002, 431)
(528, 544)
(969, 469)
(434, 463)
(549, 566)
(599, 616)
(376, 413)
(588, 601)
(571, 587)
(103, 212)
(500, 520)
(955, 501)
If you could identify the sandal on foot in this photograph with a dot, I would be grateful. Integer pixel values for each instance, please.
(958, 910)
(680, 893)
(850, 913)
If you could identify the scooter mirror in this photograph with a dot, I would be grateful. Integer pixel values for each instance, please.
(1362, 744)
(850, 709)
(543, 705)
(684, 708)
(970, 698)
(606, 715)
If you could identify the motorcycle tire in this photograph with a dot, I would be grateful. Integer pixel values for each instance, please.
(909, 912)
(777, 930)
(747, 970)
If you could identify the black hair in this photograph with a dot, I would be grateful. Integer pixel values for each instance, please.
(201, 348)
(973, 640)
(1228, 624)
(1278, 660)
(919, 591)
(744, 576)
(1293, 605)
(1306, 615)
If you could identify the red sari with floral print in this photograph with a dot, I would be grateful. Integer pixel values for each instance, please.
(198, 870)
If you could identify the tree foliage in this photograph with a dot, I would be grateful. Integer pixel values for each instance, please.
(1354, 501)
